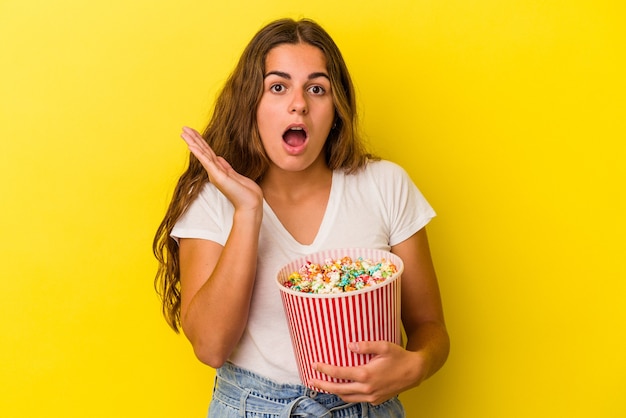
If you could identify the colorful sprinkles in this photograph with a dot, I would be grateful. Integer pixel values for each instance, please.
(340, 275)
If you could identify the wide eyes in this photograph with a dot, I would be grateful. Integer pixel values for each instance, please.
(315, 90)
(277, 88)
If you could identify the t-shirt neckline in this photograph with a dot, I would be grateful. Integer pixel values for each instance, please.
(325, 227)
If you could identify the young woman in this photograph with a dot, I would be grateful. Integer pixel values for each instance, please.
(280, 173)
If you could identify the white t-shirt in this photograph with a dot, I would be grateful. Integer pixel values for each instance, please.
(376, 207)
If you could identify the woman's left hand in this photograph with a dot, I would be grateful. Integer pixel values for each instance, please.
(391, 371)
(394, 369)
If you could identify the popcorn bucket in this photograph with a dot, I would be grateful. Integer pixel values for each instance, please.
(322, 325)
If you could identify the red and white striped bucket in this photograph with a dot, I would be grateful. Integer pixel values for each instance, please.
(321, 325)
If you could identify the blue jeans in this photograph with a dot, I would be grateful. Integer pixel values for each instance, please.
(240, 393)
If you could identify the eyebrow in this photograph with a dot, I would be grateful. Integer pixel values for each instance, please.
(288, 76)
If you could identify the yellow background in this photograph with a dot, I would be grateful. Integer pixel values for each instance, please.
(509, 115)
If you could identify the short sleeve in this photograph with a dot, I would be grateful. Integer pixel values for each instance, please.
(209, 217)
(408, 210)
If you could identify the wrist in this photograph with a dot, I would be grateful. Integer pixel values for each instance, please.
(248, 217)
(418, 367)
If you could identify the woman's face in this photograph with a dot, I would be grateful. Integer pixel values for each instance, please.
(296, 111)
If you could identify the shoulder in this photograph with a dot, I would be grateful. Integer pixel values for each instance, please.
(209, 216)
(383, 171)
(210, 200)
(383, 167)
(379, 176)
(210, 193)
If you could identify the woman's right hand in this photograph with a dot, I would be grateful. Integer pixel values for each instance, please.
(242, 192)
(214, 312)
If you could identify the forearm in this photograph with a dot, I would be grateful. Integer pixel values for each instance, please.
(431, 344)
(217, 314)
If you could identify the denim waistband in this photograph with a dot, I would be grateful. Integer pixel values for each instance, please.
(249, 392)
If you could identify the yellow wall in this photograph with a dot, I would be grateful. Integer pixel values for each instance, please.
(508, 114)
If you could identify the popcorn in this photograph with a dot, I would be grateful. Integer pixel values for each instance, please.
(340, 275)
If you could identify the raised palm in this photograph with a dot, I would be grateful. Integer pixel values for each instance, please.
(243, 193)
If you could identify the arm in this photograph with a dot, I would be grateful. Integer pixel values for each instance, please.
(394, 369)
(216, 281)
(422, 311)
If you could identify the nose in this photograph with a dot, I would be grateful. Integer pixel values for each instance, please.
(298, 103)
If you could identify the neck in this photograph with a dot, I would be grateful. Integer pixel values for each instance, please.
(292, 184)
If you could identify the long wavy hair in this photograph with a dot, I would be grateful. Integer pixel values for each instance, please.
(233, 133)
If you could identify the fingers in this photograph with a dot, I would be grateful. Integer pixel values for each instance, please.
(369, 347)
(370, 382)
(334, 371)
(243, 192)
(349, 391)
(203, 152)
(348, 387)
(353, 378)
(376, 348)
(197, 145)
(224, 164)
(191, 136)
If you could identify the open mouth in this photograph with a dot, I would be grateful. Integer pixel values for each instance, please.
(295, 136)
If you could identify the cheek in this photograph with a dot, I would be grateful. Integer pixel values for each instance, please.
(267, 133)
(267, 111)
(330, 111)
(328, 118)
(263, 121)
